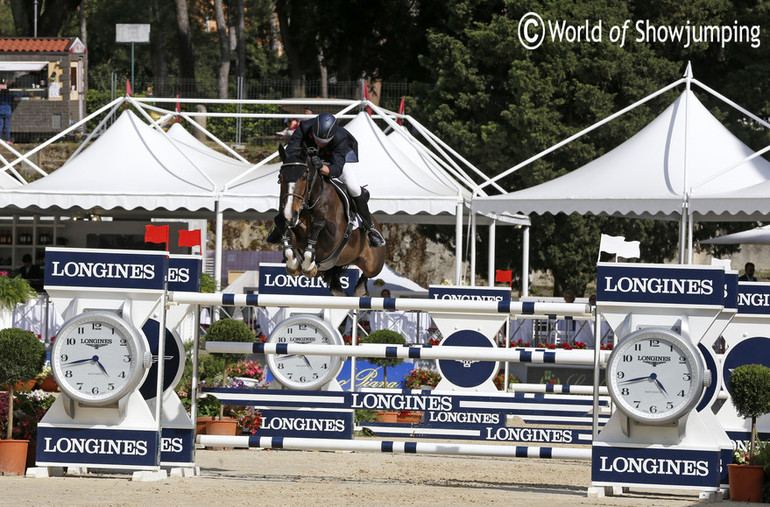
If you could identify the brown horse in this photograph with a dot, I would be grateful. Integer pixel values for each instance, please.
(319, 239)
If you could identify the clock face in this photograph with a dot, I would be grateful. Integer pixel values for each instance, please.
(304, 372)
(98, 358)
(655, 376)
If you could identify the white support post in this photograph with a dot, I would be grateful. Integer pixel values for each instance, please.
(459, 241)
(472, 240)
(525, 262)
(491, 260)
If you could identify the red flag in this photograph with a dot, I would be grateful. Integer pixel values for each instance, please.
(504, 275)
(401, 109)
(190, 238)
(179, 118)
(128, 88)
(366, 97)
(156, 234)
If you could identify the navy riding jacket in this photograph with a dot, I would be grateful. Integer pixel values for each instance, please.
(342, 148)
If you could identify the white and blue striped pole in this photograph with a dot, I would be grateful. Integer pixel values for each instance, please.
(395, 447)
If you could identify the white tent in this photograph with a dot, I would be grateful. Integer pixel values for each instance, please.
(132, 166)
(397, 185)
(683, 156)
(757, 236)
(395, 282)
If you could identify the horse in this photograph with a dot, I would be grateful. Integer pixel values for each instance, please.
(317, 211)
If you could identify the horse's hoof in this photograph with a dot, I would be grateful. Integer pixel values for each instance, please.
(310, 273)
(338, 293)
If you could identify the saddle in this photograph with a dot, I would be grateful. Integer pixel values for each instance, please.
(353, 222)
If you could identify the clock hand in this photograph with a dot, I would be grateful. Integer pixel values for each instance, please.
(637, 379)
(90, 359)
(307, 361)
(654, 377)
(101, 367)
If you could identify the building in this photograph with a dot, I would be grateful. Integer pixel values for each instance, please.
(48, 75)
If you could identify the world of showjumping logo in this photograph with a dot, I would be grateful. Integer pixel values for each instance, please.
(533, 31)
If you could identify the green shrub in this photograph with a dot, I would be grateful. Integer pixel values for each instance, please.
(750, 393)
(22, 357)
(388, 337)
(15, 290)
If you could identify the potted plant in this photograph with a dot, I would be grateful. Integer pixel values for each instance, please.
(750, 394)
(421, 378)
(21, 358)
(389, 337)
(227, 330)
(13, 290)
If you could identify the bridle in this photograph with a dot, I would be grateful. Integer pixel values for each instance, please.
(304, 199)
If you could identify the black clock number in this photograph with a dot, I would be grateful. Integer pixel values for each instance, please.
(637, 403)
(67, 373)
(123, 342)
(280, 366)
(94, 390)
(654, 343)
(126, 358)
(620, 374)
(302, 327)
(638, 346)
(682, 360)
(653, 409)
(96, 326)
(64, 357)
(627, 358)
(303, 379)
(669, 405)
(122, 374)
(680, 393)
(80, 386)
(70, 341)
(110, 386)
(81, 330)
(625, 391)
(687, 376)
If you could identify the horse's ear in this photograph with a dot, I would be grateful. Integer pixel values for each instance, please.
(282, 152)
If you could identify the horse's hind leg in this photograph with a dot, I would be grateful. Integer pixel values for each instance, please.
(309, 267)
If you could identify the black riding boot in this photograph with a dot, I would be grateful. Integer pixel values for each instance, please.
(277, 231)
(375, 238)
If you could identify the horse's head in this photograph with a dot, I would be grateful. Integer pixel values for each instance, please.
(294, 178)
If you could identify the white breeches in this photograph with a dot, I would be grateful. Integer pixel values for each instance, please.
(350, 181)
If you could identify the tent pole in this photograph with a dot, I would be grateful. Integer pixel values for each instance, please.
(689, 238)
(218, 249)
(491, 260)
(472, 241)
(682, 233)
(525, 262)
(458, 240)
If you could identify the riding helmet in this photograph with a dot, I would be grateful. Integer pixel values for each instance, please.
(325, 127)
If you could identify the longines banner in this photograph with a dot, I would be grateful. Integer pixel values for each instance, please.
(103, 447)
(113, 269)
(463, 293)
(273, 279)
(661, 285)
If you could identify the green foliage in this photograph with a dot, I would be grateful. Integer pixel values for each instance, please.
(15, 290)
(224, 127)
(750, 390)
(384, 336)
(230, 330)
(22, 356)
(208, 284)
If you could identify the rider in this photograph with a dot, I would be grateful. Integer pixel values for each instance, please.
(335, 146)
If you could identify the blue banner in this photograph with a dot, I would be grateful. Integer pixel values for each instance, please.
(655, 467)
(457, 293)
(177, 446)
(306, 424)
(273, 279)
(184, 273)
(97, 447)
(113, 269)
(627, 283)
(754, 299)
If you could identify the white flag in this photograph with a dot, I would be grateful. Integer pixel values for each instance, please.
(619, 246)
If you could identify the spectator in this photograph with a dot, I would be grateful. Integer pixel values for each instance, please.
(592, 300)
(748, 273)
(7, 103)
(385, 293)
(569, 296)
(31, 272)
(292, 124)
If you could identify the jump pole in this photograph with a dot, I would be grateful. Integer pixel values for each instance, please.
(518, 355)
(366, 303)
(394, 447)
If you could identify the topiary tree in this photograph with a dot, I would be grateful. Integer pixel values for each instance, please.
(22, 357)
(750, 392)
(229, 330)
(389, 337)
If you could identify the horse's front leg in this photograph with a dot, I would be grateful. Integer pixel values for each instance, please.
(292, 262)
(309, 267)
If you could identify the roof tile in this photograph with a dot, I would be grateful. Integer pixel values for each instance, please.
(34, 45)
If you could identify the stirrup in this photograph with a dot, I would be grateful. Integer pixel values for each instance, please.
(274, 236)
(375, 238)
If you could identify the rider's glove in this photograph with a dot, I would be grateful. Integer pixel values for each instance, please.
(317, 162)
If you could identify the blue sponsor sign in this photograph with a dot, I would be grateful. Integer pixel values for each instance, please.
(177, 446)
(626, 283)
(97, 447)
(655, 467)
(184, 273)
(754, 299)
(731, 290)
(113, 269)
(369, 375)
(755, 350)
(465, 372)
(306, 424)
(273, 279)
(172, 368)
(462, 293)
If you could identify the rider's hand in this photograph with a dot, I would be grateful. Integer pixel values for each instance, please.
(317, 162)
(325, 170)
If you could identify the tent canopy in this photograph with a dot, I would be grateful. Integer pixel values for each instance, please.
(685, 152)
(757, 236)
(395, 282)
(397, 183)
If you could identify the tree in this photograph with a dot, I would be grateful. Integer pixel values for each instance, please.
(52, 15)
(186, 54)
(223, 72)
